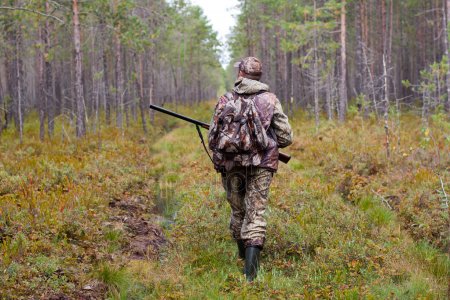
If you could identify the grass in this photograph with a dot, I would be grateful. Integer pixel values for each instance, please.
(344, 222)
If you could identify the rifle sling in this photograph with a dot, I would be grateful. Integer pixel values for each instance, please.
(203, 142)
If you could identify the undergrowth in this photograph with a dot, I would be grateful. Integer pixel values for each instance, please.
(345, 221)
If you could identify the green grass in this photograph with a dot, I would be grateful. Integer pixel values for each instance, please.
(436, 262)
(319, 244)
(331, 233)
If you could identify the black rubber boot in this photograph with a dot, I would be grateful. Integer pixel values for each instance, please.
(241, 248)
(251, 262)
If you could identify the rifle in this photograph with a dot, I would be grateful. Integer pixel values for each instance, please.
(281, 156)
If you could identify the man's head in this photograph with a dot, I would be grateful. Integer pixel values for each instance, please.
(249, 67)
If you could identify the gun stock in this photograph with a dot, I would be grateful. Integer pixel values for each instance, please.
(285, 158)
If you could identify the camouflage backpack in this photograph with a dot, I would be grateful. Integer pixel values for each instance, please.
(237, 131)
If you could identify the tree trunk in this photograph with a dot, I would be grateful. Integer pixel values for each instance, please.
(41, 80)
(447, 54)
(329, 95)
(106, 87)
(79, 101)
(49, 87)
(151, 84)
(119, 80)
(289, 83)
(248, 25)
(95, 93)
(278, 67)
(126, 93)
(316, 72)
(385, 56)
(140, 88)
(343, 65)
(386, 111)
(359, 45)
(2, 98)
(19, 83)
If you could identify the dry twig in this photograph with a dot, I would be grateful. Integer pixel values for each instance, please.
(32, 11)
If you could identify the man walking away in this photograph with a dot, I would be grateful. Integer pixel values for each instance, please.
(247, 129)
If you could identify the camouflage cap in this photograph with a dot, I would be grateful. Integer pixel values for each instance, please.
(250, 66)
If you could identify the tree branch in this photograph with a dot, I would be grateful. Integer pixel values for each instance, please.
(32, 11)
(444, 193)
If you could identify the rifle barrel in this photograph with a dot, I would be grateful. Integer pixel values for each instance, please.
(174, 114)
(282, 156)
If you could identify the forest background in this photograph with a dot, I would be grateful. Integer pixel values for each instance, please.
(368, 80)
(128, 54)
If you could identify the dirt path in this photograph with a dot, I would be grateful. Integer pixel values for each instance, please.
(144, 238)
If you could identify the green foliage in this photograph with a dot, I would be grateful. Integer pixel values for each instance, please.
(45, 265)
(53, 204)
(304, 32)
(381, 216)
(414, 288)
(437, 262)
(14, 248)
(319, 245)
(331, 233)
(112, 276)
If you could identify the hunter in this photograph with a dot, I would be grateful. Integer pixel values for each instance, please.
(247, 129)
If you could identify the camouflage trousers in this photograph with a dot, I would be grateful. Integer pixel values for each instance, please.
(247, 192)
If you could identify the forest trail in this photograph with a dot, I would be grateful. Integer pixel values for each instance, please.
(100, 198)
(328, 237)
(146, 218)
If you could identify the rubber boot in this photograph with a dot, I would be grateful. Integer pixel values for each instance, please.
(251, 262)
(241, 248)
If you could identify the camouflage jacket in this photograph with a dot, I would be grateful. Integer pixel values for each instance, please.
(274, 121)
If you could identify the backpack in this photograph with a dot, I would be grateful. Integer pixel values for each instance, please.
(237, 130)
